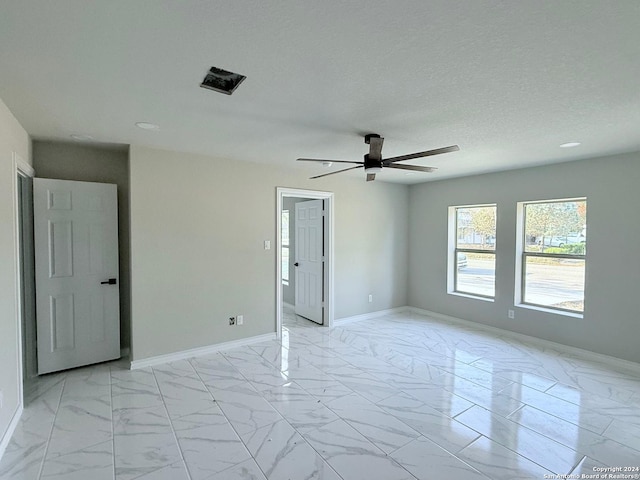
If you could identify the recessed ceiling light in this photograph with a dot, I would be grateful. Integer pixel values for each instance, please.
(327, 164)
(569, 144)
(147, 126)
(81, 138)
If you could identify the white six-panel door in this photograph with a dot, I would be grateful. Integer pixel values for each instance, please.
(308, 260)
(76, 257)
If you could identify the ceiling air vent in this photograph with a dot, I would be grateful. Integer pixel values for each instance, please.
(222, 81)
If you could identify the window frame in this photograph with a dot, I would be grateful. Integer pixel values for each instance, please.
(454, 251)
(523, 255)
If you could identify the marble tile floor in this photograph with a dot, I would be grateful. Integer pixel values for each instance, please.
(397, 397)
(290, 319)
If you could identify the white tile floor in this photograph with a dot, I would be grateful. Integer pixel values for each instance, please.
(398, 397)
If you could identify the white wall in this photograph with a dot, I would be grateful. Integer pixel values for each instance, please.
(611, 323)
(197, 231)
(13, 138)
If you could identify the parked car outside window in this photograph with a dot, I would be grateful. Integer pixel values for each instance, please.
(554, 241)
(576, 237)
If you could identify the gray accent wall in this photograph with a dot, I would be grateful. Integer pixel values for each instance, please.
(89, 163)
(198, 227)
(611, 323)
(13, 138)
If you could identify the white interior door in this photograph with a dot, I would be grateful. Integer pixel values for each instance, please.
(309, 260)
(76, 257)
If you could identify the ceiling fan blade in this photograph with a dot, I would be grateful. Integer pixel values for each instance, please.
(371, 177)
(428, 153)
(324, 161)
(337, 171)
(411, 167)
(375, 148)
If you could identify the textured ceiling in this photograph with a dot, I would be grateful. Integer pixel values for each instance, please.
(507, 81)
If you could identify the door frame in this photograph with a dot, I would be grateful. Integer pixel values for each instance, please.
(20, 169)
(328, 280)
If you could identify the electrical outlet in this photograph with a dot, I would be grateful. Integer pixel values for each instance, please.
(240, 319)
(232, 320)
(511, 313)
(370, 298)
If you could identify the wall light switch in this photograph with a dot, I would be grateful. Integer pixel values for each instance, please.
(240, 319)
(267, 244)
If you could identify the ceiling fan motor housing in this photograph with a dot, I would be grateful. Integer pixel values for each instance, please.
(372, 166)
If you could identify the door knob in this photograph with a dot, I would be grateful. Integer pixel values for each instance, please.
(296, 264)
(111, 281)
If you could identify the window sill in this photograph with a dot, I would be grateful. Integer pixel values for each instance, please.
(550, 310)
(474, 297)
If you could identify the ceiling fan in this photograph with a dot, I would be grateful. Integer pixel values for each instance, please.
(374, 163)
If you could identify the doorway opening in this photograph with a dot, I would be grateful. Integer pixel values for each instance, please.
(314, 287)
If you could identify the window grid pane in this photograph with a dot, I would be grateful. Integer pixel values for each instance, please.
(476, 228)
(554, 282)
(285, 228)
(558, 227)
(284, 233)
(285, 265)
(475, 273)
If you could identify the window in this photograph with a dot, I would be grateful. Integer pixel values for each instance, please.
(474, 255)
(285, 247)
(554, 242)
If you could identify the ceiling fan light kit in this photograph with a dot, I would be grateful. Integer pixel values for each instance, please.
(374, 163)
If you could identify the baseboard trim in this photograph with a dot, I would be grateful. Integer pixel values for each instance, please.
(6, 438)
(579, 352)
(195, 352)
(367, 316)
